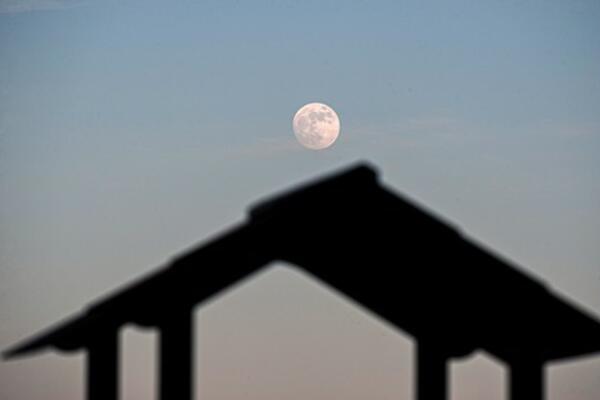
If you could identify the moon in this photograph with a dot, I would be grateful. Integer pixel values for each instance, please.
(316, 126)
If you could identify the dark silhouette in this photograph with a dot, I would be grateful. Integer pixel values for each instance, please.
(357, 236)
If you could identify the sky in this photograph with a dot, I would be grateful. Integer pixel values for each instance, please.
(133, 130)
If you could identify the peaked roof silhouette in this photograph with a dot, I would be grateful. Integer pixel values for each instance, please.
(357, 236)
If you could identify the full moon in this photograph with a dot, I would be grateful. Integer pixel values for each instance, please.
(316, 126)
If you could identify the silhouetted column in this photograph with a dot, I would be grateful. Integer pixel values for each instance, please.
(103, 366)
(430, 373)
(526, 379)
(176, 356)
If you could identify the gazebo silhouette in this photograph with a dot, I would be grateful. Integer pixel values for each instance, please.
(357, 236)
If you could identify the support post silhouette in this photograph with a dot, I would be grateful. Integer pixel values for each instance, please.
(431, 372)
(527, 378)
(103, 366)
(176, 356)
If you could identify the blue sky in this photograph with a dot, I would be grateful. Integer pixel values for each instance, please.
(131, 130)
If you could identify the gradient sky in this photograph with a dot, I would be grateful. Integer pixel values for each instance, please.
(131, 130)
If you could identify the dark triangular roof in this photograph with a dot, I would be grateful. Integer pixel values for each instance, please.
(379, 249)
